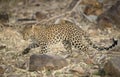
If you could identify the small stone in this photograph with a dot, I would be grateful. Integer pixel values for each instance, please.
(40, 15)
(2, 47)
(95, 67)
(89, 61)
(112, 67)
(51, 62)
(78, 70)
(22, 64)
(37, 4)
(2, 69)
(4, 17)
(9, 69)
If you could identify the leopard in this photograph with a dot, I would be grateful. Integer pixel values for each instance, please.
(69, 34)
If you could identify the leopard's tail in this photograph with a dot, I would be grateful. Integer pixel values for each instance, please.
(115, 42)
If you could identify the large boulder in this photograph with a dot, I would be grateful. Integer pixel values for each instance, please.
(50, 62)
(112, 67)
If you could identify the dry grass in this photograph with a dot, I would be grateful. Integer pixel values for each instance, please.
(10, 56)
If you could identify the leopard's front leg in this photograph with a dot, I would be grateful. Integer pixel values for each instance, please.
(33, 45)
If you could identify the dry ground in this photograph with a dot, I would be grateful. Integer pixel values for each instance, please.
(50, 11)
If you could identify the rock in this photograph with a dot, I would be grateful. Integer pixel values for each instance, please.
(112, 67)
(40, 15)
(1, 75)
(111, 17)
(78, 70)
(22, 64)
(4, 17)
(2, 47)
(9, 69)
(38, 62)
(2, 69)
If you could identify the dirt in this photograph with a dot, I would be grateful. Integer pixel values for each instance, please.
(49, 12)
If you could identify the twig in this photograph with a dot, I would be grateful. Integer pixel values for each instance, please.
(63, 14)
(75, 6)
(72, 4)
(54, 17)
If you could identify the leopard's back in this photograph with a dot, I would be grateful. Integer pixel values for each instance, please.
(52, 34)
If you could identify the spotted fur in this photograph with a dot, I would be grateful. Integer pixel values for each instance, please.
(69, 34)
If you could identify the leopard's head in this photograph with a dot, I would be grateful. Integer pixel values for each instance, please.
(26, 32)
